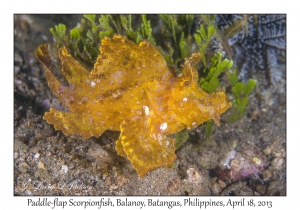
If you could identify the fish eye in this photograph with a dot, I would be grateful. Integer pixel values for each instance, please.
(185, 82)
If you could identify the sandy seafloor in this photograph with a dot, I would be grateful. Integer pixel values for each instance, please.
(247, 157)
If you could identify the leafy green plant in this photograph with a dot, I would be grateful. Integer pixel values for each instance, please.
(203, 39)
(180, 138)
(240, 92)
(177, 31)
(171, 22)
(59, 32)
(211, 82)
(208, 130)
(104, 23)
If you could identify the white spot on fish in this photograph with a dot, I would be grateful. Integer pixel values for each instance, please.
(147, 110)
(93, 84)
(163, 126)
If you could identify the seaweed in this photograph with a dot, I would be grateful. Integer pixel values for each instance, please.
(240, 92)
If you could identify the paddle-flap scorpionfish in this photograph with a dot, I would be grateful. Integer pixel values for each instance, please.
(131, 89)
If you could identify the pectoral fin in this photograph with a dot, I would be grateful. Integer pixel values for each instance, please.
(70, 123)
(144, 149)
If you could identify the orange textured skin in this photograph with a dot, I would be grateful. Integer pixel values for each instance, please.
(131, 89)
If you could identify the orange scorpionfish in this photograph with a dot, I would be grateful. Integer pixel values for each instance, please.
(131, 89)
